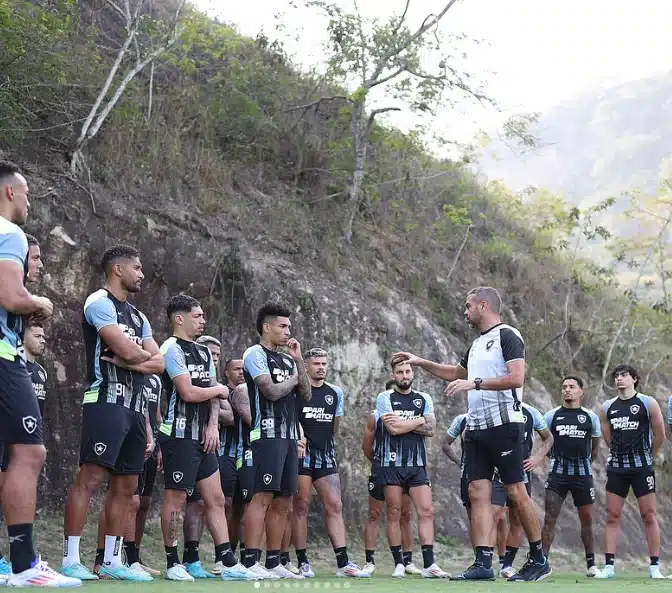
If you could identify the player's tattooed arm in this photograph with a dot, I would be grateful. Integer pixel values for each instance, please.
(225, 413)
(303, 387)
(275, 391)
(427, 429)
(240, 402)
(447, 448)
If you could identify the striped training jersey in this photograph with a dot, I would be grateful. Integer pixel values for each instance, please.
(630, 432)
(38, 376)
(109, 383)
(229, 436)
(186, 420)
(13, 248)
(404, 450)
(270, 419)
(487, 358)
(317, 418)
(533, 421)
(573, 431)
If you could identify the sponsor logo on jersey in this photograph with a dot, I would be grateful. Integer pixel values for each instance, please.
(406, 414)
(198, 371)
(571, 431)
(317, 414)
(624, 423)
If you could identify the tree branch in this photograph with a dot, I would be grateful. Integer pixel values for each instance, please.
(375, 112)
(386, 78)
(316, 104)
(116, 8)
(402, 19)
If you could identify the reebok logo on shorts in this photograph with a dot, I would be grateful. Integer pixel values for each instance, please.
(29, 424)
(267, 479)
(505, 453)
(100, 448)
(177, 476)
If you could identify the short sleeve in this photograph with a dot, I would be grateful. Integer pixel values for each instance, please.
(512, 345)
(256, 362)
(669, 410)
(539, 422)
(647, 400)
(175, 362)
(14, 247)
(383, 403)
(605, 405)
(146, 327)
(596, 432)
(339, 402)
(101, 313)
(429, 403)
(464, 362)
(548, 417)
(456, 426)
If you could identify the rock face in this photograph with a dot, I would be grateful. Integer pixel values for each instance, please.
(232, 276)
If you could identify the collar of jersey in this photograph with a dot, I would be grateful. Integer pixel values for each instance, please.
(487, 331)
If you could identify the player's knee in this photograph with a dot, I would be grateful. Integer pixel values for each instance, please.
(28, 457)
(90, 477)
(374, 514)
(393, 513)
(479, 492)
(134, 505)
(228, 504)
(406, 514)
(300, 507)
(613, 515)
(334, 507)
(649, 517)
(425, 512)
(216, 501)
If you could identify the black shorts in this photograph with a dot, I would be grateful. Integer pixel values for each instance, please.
(498, 448)
(642, 480)
(406, 477)
(498, 497)
(581, 487)
(246, 484)
(20, 418)
(113, 437)
(276, 466)
(195, 496)
(228, 475)
(4, 457)
(375, 484)
(147, 478)
(185, 463)
(317, 474)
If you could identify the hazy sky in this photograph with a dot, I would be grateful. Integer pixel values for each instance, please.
(536, 53)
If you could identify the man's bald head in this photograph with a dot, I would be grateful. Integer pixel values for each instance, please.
(488, 295)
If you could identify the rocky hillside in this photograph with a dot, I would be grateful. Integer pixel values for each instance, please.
(234, 197)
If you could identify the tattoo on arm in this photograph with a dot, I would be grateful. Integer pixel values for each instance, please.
(240, 402)
(303, 387)
(275, 391)
(427, 429)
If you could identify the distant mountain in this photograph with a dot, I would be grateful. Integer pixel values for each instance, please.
(597, 145)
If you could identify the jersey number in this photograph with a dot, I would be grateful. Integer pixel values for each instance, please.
(393, 456)
(650, 482)
(181, 423)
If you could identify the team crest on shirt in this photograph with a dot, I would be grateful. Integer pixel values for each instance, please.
(42, 375)
(29, 424)
(634, 409)
(267, 479)
(100, 448)
(329, 399)
(417, 402)
(289, 363)
(203, 355)
(581, 418)
(152, 380)
(489, 345)
(136, 319)
(177, 476)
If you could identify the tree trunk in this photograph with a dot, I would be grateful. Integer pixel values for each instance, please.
(359, 140)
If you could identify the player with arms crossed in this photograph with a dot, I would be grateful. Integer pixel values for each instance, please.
(493, 374)
(318, 468)
(407, 419)
(20, 418)
(628, 423)
(116, 435)
(576, 442)
(274, 381)
(189, 437)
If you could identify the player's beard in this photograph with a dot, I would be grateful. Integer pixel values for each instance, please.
(404, 384)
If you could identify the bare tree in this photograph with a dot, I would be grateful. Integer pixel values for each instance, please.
(133, 16)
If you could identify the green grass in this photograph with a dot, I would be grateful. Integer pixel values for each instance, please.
(631, 582)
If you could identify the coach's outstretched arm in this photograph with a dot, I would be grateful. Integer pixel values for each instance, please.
(447, 372)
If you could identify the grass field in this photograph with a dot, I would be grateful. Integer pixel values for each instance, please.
(452, 558)
(630, 583)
